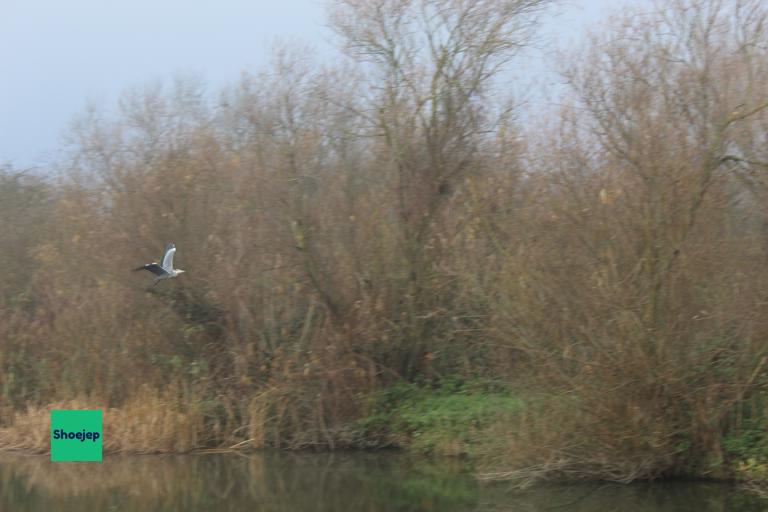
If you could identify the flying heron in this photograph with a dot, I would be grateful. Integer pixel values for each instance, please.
(164, 269)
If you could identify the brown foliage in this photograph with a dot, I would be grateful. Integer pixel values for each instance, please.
(639, 292)
(345, 228)
(317, 232)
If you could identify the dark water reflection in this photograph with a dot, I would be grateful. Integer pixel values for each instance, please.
(677, 496)
(283, 482)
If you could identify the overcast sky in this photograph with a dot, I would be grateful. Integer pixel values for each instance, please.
(57, 55)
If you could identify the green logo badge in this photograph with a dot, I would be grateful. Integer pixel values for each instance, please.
(76, 436)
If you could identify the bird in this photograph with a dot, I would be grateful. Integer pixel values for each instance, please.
(164, 269)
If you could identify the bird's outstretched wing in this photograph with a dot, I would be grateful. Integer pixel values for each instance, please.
(167, 261)
(152, 267)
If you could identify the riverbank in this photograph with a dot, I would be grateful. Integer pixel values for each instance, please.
(507, 434)
(449, 420)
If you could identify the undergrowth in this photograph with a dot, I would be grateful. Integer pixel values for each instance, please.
(447, 420)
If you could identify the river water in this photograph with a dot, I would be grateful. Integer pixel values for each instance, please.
(290, 482)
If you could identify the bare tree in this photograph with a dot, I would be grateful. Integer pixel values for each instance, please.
(432, 65)
(640, 284)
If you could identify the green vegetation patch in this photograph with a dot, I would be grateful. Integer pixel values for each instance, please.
(747, 446)
(449, 420)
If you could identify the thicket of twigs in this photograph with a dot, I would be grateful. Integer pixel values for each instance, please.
(391, 219)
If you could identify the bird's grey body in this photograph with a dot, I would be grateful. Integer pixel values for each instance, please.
(164, 269)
